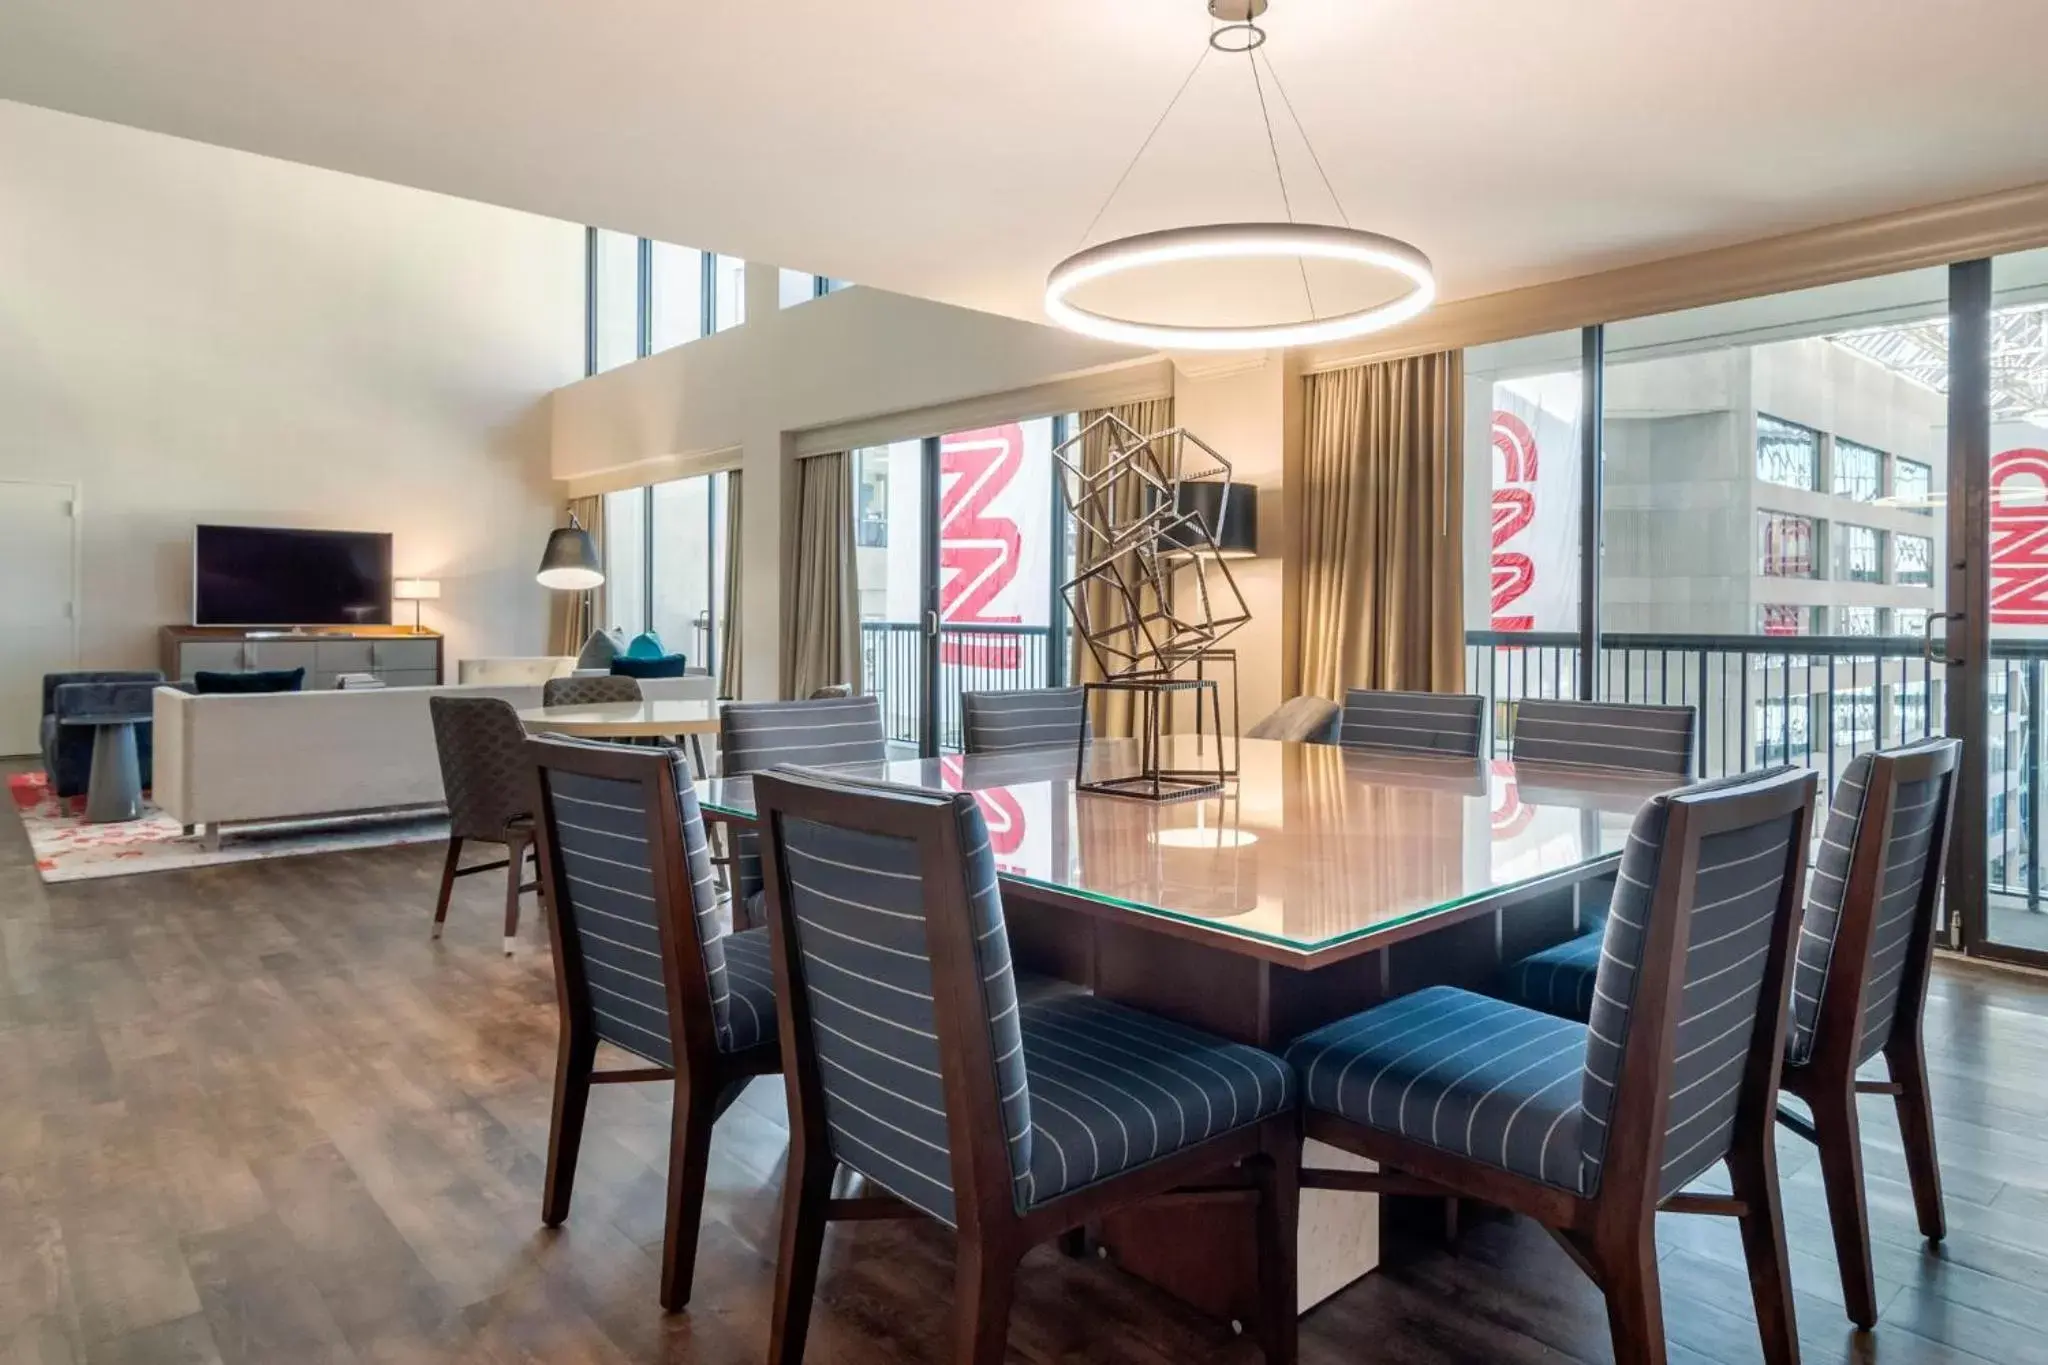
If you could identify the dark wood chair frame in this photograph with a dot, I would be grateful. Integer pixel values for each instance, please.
(1261, 1161)
(1826, 1081)
(1611, 1235)
(518, 843)
(707, 1080)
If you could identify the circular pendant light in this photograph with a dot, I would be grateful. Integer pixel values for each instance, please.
(1238, 33)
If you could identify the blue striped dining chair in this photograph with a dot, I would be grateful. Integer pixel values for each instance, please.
(1860, 983)
(1452, 724)
(1035, 718)
(911, 1061)
(643, 963)
(1651, 741)
(1592, 1128)
(757, 735)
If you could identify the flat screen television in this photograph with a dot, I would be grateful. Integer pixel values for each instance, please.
(277, 576)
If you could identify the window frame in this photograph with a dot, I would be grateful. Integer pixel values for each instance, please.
(1813, 481)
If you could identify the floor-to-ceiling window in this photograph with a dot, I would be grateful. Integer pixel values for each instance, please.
(664, 551)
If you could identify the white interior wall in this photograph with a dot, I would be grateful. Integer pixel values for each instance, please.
(858, 366)
(196, 334)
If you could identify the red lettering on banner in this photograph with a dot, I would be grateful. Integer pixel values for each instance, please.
(1510, 815)
(2019, 540)
(978, 550)
(1000, 809)
(1514, 509)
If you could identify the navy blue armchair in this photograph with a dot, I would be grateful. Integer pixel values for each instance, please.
(67, 749)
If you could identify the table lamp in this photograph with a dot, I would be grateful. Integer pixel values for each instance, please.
(416, 591)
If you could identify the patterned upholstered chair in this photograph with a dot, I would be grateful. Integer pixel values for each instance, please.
(488, 782)
(831, 690)
(1860, 983)
(756, 735)
(598, 691)
(1655, 741)
(1452, 724)
(1591, 1128)
(1037, 718)
(911, 1061)
(67, 749)
(642, 962)
(1301, 720)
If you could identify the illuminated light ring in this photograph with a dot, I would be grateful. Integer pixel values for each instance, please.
(1238, 241)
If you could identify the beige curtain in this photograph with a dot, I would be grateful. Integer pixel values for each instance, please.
(729, 628)
(1115, 713)
(572, 616)
(1380, 534)
(821, 643)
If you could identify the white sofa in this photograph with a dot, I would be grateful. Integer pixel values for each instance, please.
(224, 760)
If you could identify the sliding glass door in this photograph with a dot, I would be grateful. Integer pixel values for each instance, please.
(961, 548)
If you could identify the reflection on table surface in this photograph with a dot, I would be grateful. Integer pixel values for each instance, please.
(1310, 846)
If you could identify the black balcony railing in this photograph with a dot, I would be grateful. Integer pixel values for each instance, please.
(1813, 700)
(971, 659)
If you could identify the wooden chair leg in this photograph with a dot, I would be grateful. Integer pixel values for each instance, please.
(515, 868)
(1278, 1232)
(573, 1065)
(806, 1191)
(984, 1282)
(689, 1164)
(1754, 1180)
(1839, 1139)
(1635, 1302)
(448, 867)
(1907, 1059)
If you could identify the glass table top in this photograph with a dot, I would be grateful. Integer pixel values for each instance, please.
(1310, 848)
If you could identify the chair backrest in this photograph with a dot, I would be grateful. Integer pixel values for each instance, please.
(1876, 879)
(1423, 722)
(597, 691)
(632, 903)
(1036, 718)
(756, 735)
(899, 1006)
(486, 775)
(1689, 1004)
(1307, 720)
(1601, 734)
(53, 681)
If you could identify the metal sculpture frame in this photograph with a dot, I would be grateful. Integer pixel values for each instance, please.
(1170, 596)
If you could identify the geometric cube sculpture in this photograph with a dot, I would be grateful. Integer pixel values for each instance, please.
(1168, 595)
(1151, 593)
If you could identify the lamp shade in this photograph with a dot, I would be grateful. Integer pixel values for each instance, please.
(1233, 523)
(570, 561)
(416, 589)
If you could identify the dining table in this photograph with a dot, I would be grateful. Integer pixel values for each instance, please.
(1321, 881)
(654, 718)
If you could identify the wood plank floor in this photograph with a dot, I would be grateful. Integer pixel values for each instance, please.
(252, 1114)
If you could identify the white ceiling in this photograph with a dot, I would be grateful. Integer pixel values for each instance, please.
(957, 148)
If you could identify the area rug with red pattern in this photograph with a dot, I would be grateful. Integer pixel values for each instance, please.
(68, 849)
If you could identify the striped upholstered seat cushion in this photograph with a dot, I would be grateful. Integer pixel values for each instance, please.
(1038, 718)
(1112, 1088)
(1461, 1072)
(1558, 980)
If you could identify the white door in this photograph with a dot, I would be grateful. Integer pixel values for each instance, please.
(38, 602)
